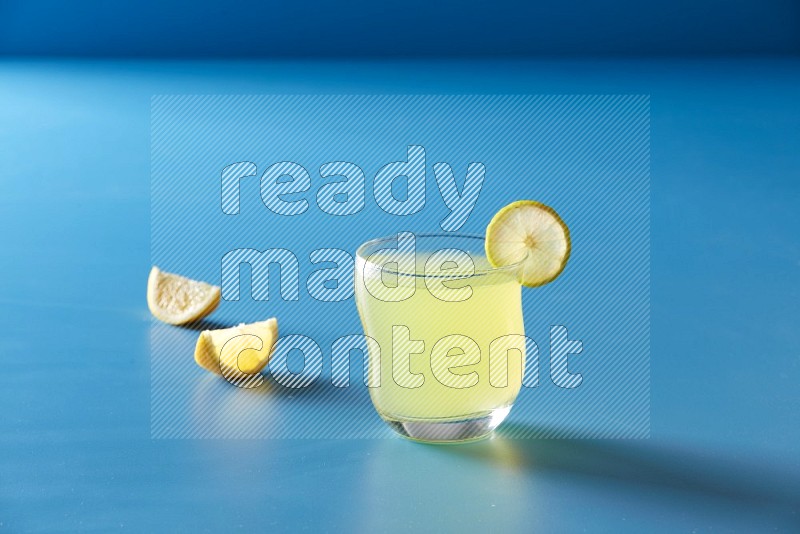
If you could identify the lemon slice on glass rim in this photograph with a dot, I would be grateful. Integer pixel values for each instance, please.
(532, 235)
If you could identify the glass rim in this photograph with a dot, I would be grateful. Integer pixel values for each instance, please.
(510, 268)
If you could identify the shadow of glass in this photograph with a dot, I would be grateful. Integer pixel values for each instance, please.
(643, 467)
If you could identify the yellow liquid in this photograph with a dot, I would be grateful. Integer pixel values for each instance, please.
(492, 311)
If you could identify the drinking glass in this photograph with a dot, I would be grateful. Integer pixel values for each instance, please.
(445, 334)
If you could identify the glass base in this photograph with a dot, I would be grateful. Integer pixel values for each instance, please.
(467, 428)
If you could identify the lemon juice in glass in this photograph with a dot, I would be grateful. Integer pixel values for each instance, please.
(448, 354)
(434, 343)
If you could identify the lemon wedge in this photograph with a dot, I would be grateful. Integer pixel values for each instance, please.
(237, 351)
(532, 235)
(178, 300)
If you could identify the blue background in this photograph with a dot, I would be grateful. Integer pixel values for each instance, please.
(407, 28)
(75, 447)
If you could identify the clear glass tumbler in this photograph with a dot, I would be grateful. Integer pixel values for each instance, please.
(447, 346)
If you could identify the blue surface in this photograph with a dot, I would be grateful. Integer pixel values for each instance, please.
(75, 451)
(407, 28)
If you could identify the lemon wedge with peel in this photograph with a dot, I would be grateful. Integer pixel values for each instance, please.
(241, 350)
(178, 300)
(532, 235)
